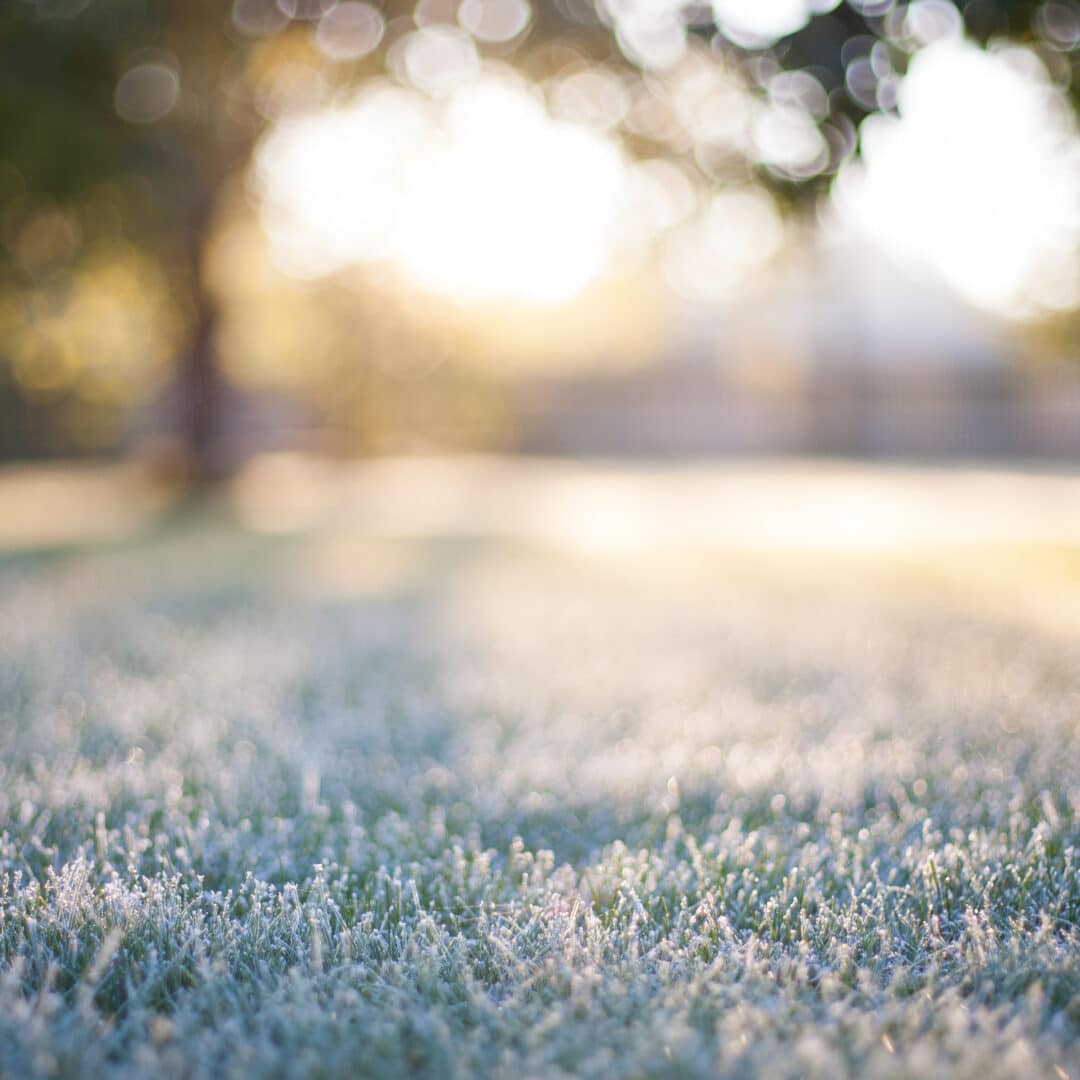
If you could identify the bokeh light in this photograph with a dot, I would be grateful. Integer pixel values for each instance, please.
(977, 179)
(350, 30)
(485, 196)
(421, 199)
(710, 257)
(477, 184)
(435, 59)
(762, 22)
(147, 92)
(494, 21)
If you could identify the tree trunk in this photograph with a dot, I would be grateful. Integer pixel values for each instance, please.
(200, 392)
(199, 408)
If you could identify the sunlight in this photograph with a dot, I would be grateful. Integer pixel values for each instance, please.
(763, 21)
(481, 197)
(510, 202)
(977, 179)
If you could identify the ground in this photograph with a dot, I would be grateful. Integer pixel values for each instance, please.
(524, 769)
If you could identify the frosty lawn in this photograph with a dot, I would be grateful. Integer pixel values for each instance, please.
(602, 795)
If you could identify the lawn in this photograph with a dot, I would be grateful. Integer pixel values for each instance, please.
(527, 770)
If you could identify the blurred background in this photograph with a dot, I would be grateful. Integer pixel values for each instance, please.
(621, 227)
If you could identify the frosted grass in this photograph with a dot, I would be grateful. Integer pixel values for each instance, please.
(516, 811)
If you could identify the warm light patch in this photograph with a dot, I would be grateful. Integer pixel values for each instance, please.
(481, 197)
(509, 202)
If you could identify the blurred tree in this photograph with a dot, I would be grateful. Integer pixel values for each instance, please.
(130, 115)
(139, 107)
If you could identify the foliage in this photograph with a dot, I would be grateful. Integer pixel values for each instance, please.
(122, 121)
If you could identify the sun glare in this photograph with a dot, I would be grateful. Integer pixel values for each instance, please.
(759, 22)
(978, 179)
(509, 202)
(480, 196)
(461, 179)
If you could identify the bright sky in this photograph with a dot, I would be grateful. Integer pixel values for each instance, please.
(978, 180)
(480, 198)
(506, 201)
(761, 22)
(477, 193)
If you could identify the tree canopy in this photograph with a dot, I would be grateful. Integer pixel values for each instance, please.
(120, 122)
